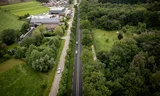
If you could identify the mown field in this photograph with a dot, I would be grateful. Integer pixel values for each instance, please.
(8, 20)
(103, 40)
(20, 9)
(21, 80)
(9, 64)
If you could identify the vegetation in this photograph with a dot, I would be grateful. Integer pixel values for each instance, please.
(21, 9)
(126, 67)
(20, 80)
(9, 64)
(114, 16)
(9, 21)
(103, 40)
(66, 80)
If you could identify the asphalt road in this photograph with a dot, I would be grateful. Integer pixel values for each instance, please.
(77, 69)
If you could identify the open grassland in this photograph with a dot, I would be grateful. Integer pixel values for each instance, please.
(8, 20)
(103, 40)
(20, 9)
(9, 64)
(21, 80)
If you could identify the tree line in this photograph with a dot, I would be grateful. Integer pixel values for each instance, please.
(114, 16)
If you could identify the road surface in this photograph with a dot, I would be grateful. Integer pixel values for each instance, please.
(55, 84)
(77, 69)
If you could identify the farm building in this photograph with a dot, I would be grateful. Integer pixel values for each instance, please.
(49, 22)
(57, 10)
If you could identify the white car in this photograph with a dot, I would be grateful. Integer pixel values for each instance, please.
(77, 42)
(59, 70)
(76, 52)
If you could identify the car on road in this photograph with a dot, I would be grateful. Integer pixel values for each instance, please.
(59, 70)
(77, 42)
(76, 52)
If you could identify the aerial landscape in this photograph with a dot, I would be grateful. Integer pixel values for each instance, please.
(79, 47)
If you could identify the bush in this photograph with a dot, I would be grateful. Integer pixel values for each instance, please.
(6, 56)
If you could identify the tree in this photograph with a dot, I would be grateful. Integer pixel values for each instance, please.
(120, 36)
(24, 28)
(3, 49)
(59, 31)
(41, 61)
(20, 53)
(85, 24)
(8, 36)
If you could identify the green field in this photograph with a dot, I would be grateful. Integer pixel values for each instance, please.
(8, 20)
(100, 37)
(9, 64)
(21, 80)
(20, 9)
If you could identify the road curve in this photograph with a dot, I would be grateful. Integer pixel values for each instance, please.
(55, 84)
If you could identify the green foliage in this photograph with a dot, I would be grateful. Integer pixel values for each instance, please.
(115, 16)
(41, 61)
(3, 49)
(24, 28)
(124, 1)
(8, 36)
(20, 52)
(120, 36)
(58, 31)
(86, 38)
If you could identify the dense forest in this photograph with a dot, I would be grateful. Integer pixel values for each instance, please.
(132, 66)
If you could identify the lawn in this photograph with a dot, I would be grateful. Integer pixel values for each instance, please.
(20, 9)
(100, 37)
(9, 64)
(21, 80)
(8, 20)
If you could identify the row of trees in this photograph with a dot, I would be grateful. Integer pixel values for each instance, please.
(93, 71)
(115, 16)
(66, 80)
(124, 1)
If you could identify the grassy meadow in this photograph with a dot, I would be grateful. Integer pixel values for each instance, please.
(9, 64)
(8, 20)
(100, 39)
(21, 9)
(21, 80)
